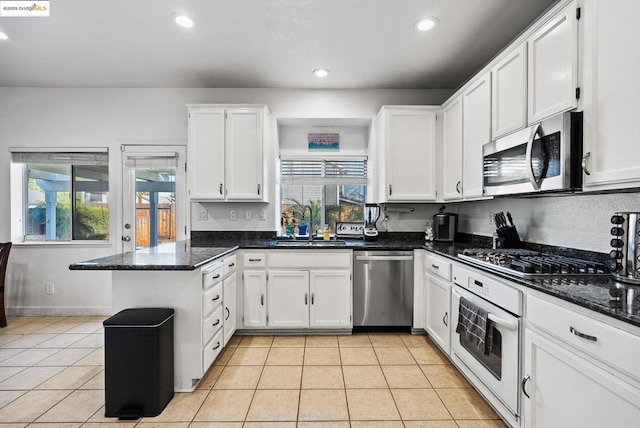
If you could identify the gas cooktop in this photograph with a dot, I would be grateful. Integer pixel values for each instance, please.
(531, 264)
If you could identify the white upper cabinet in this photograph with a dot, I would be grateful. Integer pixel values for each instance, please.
(452, 150)
(509, 93)
(226, 153)
(408, 137)
(553, 65)
(476, 131)
(611, 112)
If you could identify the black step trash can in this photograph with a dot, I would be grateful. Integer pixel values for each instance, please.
(138, 362)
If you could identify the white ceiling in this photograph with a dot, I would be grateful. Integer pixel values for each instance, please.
(367, 44)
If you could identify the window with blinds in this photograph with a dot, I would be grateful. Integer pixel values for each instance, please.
(333, 190)
(65, 194)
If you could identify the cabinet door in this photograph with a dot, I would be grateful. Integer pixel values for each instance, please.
(438, 309)
(552, 65)
(508, 93)
(452, 150)
(476, 121)
(255, 298)
(243, 150)
(330, 299)
(288, 298)
(566, 390)
(230, 307)
(610, 110)
(410, 137)
(205, 150)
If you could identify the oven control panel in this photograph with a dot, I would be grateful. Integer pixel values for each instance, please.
(490, 288)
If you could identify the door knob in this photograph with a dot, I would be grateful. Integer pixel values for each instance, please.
(126, 238)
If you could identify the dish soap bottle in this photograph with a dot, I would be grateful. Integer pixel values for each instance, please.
(326, 234)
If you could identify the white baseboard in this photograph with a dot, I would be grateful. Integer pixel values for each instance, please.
(58, 311)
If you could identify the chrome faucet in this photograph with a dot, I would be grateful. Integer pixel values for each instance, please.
(311, 231)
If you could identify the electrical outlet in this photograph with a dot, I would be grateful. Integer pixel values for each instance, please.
(233, 215)
(50, 288)
(490, 219)
(248, 215)
(203, 215)
(263, 214)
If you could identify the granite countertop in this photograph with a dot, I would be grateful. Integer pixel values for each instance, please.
(594, 292)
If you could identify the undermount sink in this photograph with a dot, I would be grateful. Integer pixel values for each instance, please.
(336, 243)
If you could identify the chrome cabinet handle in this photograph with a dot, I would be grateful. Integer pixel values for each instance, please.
(262, 299)
(215, 323)
(221, 188)
(584, 163)
(524, 383)
(255, 260)
(258, 189)
(458, 186)
(435, 266)
(216, 347)
(305, 298)
(444, 319)
(215, 298)
(216, 276)
(232, 264)
(390, 190)
(312, 298)
(228, 313)
(582, 335)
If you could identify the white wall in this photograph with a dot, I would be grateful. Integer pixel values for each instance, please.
(93, 117)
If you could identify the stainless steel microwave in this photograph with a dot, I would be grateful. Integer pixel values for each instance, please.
(541, 158)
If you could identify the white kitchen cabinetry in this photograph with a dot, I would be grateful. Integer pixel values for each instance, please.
(452, 150)
(288, 299)
(254, 289)
(198, 299)
(553, 65)
(330, 299)
(476, 121)
(226, 146)
(438, 301)
(610, 40)
(578, 371)
(230, 292)
(509, 93)
(407, 135)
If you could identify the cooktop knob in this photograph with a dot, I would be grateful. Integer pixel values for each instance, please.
(617, 243)
(617, 219)
(615, 254)
(614, 266)
(617, 231)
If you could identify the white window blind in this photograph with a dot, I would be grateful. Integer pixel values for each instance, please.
(151, 160)
(324, 171)
(61, 158)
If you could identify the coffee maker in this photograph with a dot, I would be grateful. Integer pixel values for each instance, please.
(445, 226)
(371, 215)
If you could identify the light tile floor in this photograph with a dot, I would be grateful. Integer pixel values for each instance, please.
(52, 375)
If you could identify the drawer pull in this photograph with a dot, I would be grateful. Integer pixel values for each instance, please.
(216, 323)
(232, 264)
(255, 260)
(216, 298)
(262, 299)
(582, 335)
(524, 383)
(435, 266)
(444, 319)
(216, 276)
(216, 347)
(228, 313)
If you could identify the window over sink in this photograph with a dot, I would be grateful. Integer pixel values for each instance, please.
(332, 189)
(60, 195)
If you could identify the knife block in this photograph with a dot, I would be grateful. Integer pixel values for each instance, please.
(510, 237)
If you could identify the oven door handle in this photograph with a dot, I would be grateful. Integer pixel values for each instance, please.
(494, 318)
(532, 178)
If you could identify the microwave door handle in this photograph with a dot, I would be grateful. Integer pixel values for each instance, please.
(535, 183)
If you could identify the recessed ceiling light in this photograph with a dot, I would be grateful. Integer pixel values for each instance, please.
(183, 20)
(321, 72)
(426, 24)
(3, 36)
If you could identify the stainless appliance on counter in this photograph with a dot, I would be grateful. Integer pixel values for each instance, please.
(544, 157)
(371, 216)
(445, 226)
(382, 290)
(625, 256)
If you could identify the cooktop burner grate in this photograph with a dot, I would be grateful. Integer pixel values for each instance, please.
(527, 263)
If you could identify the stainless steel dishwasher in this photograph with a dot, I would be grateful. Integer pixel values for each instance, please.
(382, 289)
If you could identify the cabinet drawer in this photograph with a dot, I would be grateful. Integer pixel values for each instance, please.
(211, 298)
(212, 275)
(212, 324)
(229, 264)
(254, 260)
(211, 350)
(310, 259)
(438, 267)
(613, 346)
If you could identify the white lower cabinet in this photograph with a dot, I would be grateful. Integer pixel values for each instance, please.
(438, 311)
(569, 378)
(230, 314)
(283, 289)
